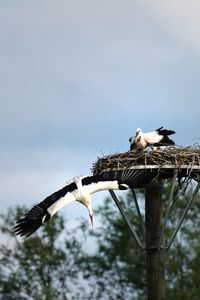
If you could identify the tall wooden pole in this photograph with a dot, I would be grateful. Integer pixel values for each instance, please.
(154, 253)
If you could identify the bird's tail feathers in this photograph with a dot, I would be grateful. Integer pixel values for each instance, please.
(166, 132)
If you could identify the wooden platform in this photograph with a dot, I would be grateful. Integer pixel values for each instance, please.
(139, 168)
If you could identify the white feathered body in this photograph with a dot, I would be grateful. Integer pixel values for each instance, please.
(149, 138)
(156, 138)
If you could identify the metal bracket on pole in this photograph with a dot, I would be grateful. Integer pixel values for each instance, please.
(168, 210)
(183, 215)
(126, 219)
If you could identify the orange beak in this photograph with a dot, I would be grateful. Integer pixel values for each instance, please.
(91, 219)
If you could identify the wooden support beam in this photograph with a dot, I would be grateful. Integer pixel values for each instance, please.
(154, 251)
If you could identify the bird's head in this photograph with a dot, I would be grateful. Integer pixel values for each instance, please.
(86, 201)
(91, 213)
(138, 131)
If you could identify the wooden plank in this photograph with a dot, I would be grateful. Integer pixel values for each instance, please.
(160, 167)
(154, 251)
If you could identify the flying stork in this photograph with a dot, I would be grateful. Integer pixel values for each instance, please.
(80, 189)
(156, 138)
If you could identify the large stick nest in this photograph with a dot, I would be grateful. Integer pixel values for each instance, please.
(185, 160)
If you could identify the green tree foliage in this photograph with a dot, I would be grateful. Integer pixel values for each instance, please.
(118, 268)
(44, 266)
(53, 265)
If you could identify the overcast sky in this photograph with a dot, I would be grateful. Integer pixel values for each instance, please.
(78, 77)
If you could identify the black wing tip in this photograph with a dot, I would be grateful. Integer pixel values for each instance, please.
(25, 227)
(169, 132)
(32, 220)
(160, 128)
(165, 142)
(163, 132)
(170, 142)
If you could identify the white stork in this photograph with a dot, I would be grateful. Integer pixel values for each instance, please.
(80, 189)
(156, 138)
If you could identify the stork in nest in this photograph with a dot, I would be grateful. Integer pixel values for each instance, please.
(154, 139)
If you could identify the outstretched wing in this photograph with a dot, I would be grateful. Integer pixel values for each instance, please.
(43, 211)
(105, 181)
